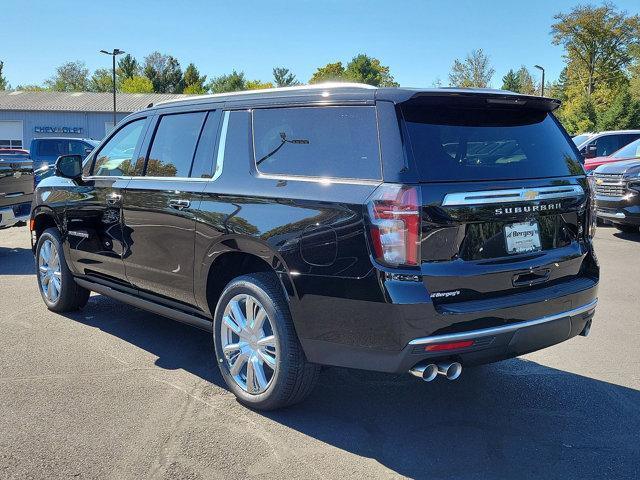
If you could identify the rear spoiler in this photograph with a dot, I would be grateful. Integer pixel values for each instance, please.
(475, 97)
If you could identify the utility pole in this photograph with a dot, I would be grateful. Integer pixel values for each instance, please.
(114, 54)
(541, 86)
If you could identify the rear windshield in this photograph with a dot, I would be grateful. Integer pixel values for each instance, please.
(467, 144)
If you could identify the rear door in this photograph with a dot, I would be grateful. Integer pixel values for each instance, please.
(159, 208)
(93, 214)
(504, 199)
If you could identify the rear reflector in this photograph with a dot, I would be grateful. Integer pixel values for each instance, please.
(32, 224)
(438, 347)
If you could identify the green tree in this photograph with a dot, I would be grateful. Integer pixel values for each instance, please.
(527, 83)
(578, 115)
(31, 88)
(4, 85)
(284, 78)
(193, 81)
(474, 71)
(101, 81)
(623, 112)
(331, 72)
(70, 77)
(257, 85)
(511, 81)
(369, 70)
(597, 43)
(233, 82)
(128, 67)
(136, 84)
(164, 72)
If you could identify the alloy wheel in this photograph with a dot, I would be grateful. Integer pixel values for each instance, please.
(49, 271)
(249, 343)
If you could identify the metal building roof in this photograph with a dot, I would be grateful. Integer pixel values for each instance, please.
(80, 101)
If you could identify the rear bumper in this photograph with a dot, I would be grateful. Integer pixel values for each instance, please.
(489, 344)
(9, 216)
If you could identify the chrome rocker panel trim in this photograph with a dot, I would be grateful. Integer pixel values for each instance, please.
(503, 329)
(513, 195)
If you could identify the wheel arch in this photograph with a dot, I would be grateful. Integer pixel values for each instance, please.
(41, 219)
(232, 257)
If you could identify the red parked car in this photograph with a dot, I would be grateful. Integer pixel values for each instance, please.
(628, 152)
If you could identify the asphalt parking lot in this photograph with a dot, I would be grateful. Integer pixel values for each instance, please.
(115, 392)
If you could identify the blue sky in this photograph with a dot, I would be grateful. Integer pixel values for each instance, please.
(418, 39)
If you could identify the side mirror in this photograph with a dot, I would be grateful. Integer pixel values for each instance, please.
(69, 166)
(591, 151)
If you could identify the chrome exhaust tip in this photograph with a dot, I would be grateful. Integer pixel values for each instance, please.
(425, 372)
(451, 370)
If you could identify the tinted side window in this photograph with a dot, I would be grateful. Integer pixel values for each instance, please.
(52, 148)
(607, 145)
(115, 157)
(174, 144)
(337, 142)
(204, 161)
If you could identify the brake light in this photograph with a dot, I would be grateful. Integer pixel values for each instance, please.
(394, 212)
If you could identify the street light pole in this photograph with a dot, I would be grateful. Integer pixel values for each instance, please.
(542, 86)
(114, 54)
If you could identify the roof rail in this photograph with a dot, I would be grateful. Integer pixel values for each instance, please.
(315, 86)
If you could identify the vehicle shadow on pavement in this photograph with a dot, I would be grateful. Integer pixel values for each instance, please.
(514, 419)
(633, 237)
(16, 261)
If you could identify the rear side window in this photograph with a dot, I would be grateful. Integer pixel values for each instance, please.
(467, 144)
(174, 144)
(334, 142)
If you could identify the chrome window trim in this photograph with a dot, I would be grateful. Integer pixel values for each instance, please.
(222, 146)
(513, 195)
(512, 327)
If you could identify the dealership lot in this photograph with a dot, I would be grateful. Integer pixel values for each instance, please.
(113, 391)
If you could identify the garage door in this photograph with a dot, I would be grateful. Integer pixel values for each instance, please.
(10, 134)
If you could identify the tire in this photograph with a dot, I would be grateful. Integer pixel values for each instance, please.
(275, 342)
(66, 295)
(627, 228)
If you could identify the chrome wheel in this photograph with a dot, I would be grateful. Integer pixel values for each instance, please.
(249, 343)
(49, 271)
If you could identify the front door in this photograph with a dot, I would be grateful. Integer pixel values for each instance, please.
(159, 208)
(94, 238)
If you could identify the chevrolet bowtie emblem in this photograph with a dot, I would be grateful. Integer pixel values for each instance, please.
(530, 195)
(599, 181)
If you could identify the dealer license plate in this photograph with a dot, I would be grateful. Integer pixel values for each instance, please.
(522, 237)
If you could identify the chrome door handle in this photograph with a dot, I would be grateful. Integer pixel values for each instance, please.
(114, 199)
(179, 204)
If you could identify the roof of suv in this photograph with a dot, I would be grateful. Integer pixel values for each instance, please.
(357, 92)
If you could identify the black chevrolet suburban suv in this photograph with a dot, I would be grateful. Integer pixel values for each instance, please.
(385, 229)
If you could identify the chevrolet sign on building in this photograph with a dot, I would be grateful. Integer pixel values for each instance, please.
(28, 115)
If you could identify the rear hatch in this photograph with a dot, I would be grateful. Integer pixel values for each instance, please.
(504, 198)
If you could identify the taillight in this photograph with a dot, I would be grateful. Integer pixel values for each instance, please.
(394, 211)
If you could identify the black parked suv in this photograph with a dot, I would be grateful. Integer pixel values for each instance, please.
(385, 229)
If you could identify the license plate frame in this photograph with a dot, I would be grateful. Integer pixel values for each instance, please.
(522, 237)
